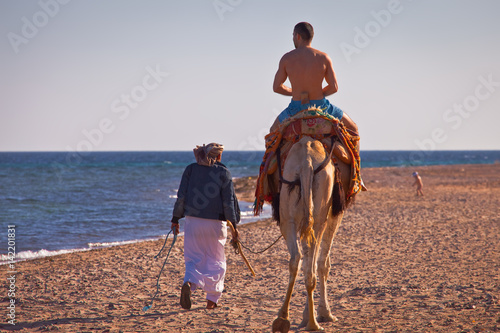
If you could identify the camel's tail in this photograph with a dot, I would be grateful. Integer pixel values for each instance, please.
(306, 179)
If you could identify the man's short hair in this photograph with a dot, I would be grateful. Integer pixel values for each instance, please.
(305, 30)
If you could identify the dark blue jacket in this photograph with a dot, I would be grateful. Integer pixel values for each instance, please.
(207, 192)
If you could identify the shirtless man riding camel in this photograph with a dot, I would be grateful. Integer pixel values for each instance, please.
(306, 68)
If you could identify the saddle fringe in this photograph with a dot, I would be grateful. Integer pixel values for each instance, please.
(338, 195)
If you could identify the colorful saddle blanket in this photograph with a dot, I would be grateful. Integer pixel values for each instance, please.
(318, 125)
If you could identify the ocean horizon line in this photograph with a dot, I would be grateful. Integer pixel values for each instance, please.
(243, 159)
(237, 151)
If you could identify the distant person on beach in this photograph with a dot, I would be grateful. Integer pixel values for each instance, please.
(206, 198)
(418, 183)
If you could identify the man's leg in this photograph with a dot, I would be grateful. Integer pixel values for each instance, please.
(275, 125)
(349, 123)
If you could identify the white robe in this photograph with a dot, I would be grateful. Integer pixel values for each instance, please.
(204, 256)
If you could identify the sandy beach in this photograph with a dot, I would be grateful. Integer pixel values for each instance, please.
(400, 263)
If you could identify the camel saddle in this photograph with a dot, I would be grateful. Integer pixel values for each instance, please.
(314, 123)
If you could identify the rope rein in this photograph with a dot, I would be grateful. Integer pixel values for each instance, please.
(147, 307)
(257, 252)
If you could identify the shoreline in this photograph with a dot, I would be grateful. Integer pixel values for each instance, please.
(399, 263)
(244, 187)
(38, 251)
(43, 253)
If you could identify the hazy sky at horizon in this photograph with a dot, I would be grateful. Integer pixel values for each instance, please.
(168, 75)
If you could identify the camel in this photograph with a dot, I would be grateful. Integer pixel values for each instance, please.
(311, 210)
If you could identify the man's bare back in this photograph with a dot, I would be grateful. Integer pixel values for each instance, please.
(306, 68)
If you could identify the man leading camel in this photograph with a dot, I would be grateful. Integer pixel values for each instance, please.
(306, 68)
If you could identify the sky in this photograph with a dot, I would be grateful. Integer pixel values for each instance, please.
(158, 75)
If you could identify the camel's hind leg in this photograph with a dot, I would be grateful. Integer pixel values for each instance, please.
(310, 258)
(282, 324)
(323, 268)
(324, 313)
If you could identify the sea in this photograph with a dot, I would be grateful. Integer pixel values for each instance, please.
(59, 202)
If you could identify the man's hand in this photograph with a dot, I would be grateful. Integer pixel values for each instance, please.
(235, 235)
(175, 228)
(175, 224)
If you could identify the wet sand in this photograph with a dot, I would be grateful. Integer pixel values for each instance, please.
(400, 263)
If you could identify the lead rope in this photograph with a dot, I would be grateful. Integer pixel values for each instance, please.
(258, 252)
(147, 307)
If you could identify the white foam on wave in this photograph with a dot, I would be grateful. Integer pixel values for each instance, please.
(247, 215)
(118, 243)
(28, 255)
(109, 244)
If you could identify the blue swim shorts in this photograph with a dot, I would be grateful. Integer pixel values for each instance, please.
(295, 106)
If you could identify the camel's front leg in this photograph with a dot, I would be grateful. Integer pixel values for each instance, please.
(282, 324)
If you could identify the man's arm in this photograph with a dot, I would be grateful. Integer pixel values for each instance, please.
(230, 206)
(330, 78)
(279, 80)
(180, 203)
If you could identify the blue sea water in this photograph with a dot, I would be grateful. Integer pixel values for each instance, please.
(62, 202)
